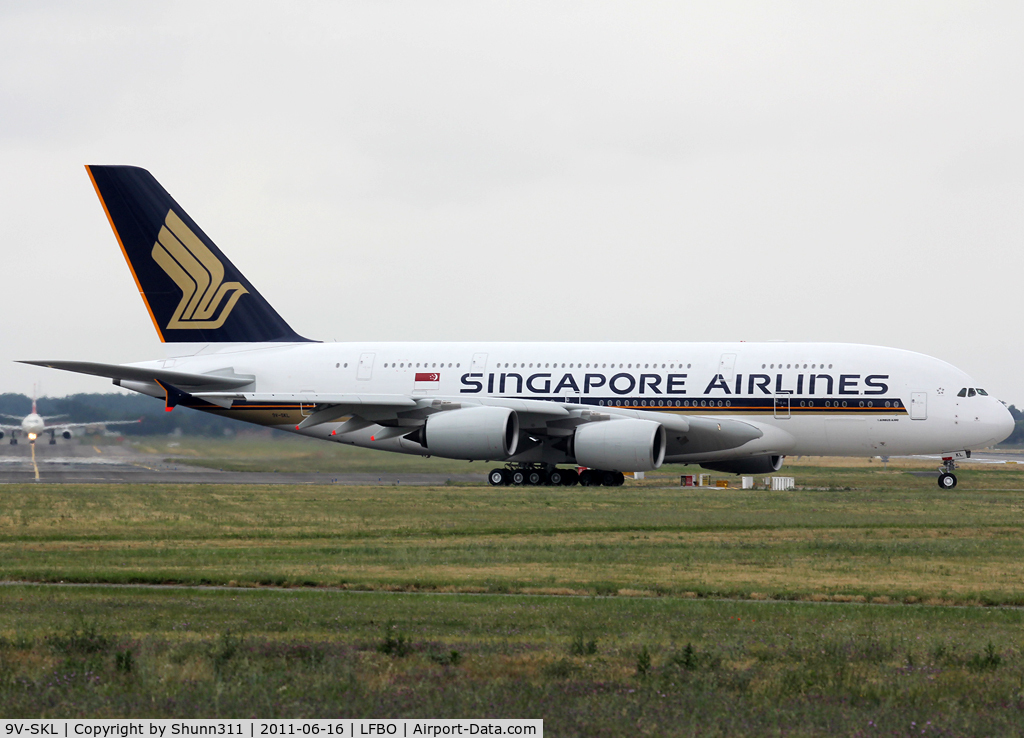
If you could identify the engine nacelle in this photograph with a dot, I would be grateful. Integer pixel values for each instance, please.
(474, 433)
(629, 445)
(66, 435)
(752, 465)
(1, 434)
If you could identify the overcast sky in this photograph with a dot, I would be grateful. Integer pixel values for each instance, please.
(515, 171)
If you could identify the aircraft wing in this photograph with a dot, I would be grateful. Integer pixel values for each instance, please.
(685, 433)
(68, 426)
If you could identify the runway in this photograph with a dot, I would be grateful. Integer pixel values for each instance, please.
(78, 463)
(74, 463)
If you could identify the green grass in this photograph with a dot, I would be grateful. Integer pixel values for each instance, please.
(711, 668)
(441, 625)
(866, 535)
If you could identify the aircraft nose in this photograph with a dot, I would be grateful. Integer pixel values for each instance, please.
(1004, 423)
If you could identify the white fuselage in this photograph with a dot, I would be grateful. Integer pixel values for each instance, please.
(807, 398)
(33, 425)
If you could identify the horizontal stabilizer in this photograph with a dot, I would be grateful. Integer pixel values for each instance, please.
(220, 380)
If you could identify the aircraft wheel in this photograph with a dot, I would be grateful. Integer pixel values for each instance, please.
(947, 480)
(620, 479)
(518, 478)
(14, 441)
(570, 477)
(610, 479)
(53, 442)
(496, 478)
(535, 477)
(590, 478)
(556, 478)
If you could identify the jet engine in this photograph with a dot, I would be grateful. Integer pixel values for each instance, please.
(1, 434)
(620, 445)
(752, 465)
(483, 433)
(66, 435)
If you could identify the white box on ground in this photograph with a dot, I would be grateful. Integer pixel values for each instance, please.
(781, 484)
(748, 482)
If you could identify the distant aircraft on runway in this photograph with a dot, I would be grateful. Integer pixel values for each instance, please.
(34, 425)
(612, 407)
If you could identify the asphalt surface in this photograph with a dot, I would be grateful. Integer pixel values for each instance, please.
(77, 463)
(74, 463)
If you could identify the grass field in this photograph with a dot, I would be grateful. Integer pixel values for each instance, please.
(856, 534)
(587, 666)
(437, 602)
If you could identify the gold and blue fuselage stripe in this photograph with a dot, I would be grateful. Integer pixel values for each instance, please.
(265, 413)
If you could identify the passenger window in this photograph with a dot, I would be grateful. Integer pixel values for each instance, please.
(971, 392)
(982, 392)
(962, 393)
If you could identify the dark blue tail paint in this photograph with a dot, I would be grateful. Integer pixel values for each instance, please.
(193, 293)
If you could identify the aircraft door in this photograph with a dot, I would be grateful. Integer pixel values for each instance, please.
(782, 406)
(365, 370)
(727, 366)
(479, 362)
(919, 406)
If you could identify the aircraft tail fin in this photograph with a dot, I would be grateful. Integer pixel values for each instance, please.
(193, 293)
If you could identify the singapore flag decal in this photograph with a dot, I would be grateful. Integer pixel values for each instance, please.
(428, 380)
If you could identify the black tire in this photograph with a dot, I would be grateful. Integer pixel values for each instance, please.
(590, 478)
(518, 478)
(535, 477)
(620, 479)
(497, 478)
(53, 442)
(14, 441)
(570, 478)
(947, 480)
(556, 478)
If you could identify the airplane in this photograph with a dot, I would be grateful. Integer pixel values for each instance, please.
(605, 408)
(34, 425)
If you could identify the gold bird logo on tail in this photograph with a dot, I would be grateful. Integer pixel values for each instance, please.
(198, 273)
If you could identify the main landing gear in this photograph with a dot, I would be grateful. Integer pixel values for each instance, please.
(947, 479)
(535, 475)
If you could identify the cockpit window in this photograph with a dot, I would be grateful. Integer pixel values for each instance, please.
(982, 392)
(962, 393)
(971, 392)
